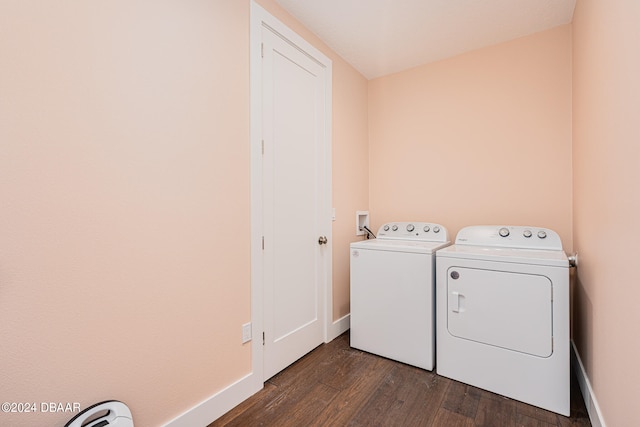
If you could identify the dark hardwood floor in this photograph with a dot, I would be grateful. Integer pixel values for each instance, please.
(336, 385)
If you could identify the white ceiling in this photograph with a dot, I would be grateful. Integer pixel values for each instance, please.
(380, 37)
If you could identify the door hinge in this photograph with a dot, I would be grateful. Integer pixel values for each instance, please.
(261, 50)
(263, 147)
(263, 338)
(263, 243)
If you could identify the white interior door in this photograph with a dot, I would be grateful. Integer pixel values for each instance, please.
(296, 213)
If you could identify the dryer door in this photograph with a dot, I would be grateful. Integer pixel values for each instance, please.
(502, 309)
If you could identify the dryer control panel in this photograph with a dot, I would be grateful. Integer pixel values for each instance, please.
(510, 236)
(421, 231)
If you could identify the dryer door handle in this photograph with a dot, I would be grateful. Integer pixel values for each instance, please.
(455, 303)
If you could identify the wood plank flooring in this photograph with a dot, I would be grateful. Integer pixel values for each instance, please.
(336, 385)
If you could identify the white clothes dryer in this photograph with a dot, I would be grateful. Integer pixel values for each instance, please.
(503, 314)
(393, 292)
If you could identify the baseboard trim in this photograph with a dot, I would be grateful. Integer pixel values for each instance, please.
(219, 404)
(228, 398)
(338, 327)
(590, 401)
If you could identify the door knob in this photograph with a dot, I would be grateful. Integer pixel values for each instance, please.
(322, 240)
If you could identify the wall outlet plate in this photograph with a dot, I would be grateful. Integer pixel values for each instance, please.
(246, 332)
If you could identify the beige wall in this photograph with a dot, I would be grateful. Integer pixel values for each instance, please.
(350, 159)
(606, 150)
(124, 175)
(481, 138)
(124, 192)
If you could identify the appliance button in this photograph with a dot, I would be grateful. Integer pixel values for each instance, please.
(542, 234)
(394, 228)
(410, 228)
(386, 227)
(527, 233)
(426, 229)
(504, 232)
(436, 229)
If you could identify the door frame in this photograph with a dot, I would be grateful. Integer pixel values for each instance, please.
(260, 19)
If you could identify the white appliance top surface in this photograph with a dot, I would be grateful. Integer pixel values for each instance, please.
(520, 256)
(509, 236)
(417, 237)
(397, 245)
(492, 243)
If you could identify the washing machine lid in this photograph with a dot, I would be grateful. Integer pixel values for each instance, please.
(417, 237)
(391, 245)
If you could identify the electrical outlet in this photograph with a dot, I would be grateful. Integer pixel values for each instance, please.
(246, 332)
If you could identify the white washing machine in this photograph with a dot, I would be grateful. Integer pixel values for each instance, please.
(503, 314)
(393, 292)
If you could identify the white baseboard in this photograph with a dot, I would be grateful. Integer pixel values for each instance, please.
(219, 404)
(228, 398)
(338, 327)
(593, 409)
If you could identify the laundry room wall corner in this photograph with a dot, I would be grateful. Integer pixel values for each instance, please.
(480, 138)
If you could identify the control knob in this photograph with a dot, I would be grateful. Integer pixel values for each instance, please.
(436, 229)
(504, 232)
(386, 227)
(426, 229)
(394, 228)
(542, 234)
(527, 233)
(410, 228)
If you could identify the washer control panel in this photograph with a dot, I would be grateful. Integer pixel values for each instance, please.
(510, 236)
(424, 231)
